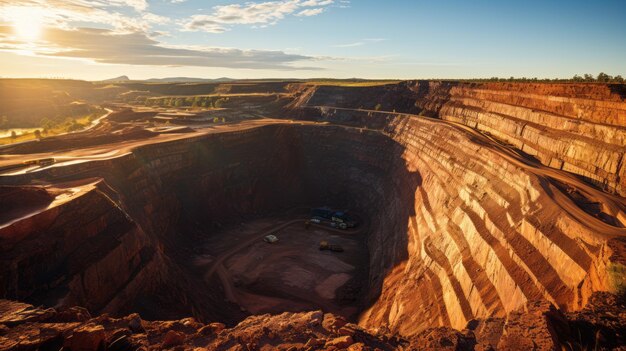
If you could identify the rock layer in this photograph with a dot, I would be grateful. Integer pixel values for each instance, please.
(483, 200)
(576, 128)
(487, 234)
(579, 128)
(171, 193)
(492, 227)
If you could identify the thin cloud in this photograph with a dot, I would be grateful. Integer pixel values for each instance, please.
(128, 33)
(257, 14)
(121, 15)
(310, 12)
(106, 46)
(375, 40)
(359, 43)
(79, 5)
(344, 4)
(349, 45)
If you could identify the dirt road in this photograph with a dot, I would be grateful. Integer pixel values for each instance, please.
(217, 266)
(613, 205)
(114, 150)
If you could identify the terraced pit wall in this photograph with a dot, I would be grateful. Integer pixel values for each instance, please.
(579, 128)
(490, 227)
(462, 227)
(124, 245)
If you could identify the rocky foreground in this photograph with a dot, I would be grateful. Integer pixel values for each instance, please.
(538, 326)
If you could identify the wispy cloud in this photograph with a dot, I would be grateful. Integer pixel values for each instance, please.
(363, 59)
(344, 4)
(359, 43)
(349, 45)
(63, 13)
(311, 12)
(106, 46)
(261, 14)
(375, 40)
(127, 32)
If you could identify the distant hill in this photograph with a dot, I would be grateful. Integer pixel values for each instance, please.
(188, 80)
(116, 79)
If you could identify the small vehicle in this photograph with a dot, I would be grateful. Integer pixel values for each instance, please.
(40, 162)
(270, 239)
(344, 220)
(324, 245)
(337, 219)
(46, 161)
(338, 225)
(336, 248)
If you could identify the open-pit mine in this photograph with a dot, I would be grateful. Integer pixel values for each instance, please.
(426, 215)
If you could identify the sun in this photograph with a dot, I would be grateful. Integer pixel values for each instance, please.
(27, 23)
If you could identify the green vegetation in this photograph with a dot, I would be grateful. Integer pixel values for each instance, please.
(15, 138)
(201, 101)
(586, 78)
(51, 127)
(617, 278)
(24, 102)
(352, 83)
(33, 115)
(70, 124)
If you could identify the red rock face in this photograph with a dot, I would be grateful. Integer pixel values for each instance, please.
(492, 224)
(575, 128)
(496, 225)
(79, 250)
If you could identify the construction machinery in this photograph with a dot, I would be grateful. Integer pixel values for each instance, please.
(335, 219)
(270, 239)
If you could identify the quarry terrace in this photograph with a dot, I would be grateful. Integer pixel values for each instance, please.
(298, 216)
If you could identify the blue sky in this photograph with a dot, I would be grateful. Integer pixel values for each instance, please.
(91, 39)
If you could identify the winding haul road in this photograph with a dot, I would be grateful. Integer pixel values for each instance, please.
(611, 204)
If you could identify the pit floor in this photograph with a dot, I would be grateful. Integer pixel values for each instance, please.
(292, 274)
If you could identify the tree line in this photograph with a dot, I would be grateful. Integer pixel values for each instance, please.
(585, 78)
(190, 101)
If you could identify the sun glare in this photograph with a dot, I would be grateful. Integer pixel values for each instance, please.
(27, 22)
